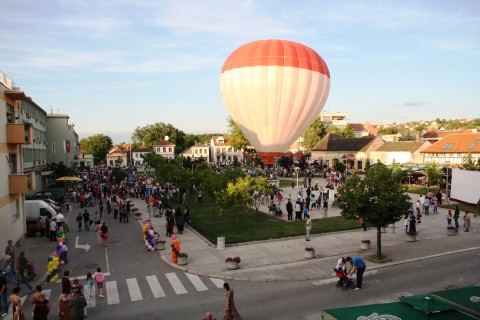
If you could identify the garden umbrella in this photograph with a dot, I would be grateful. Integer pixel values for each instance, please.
(69, 178)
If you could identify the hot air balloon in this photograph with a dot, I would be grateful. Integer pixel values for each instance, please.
(274, 90)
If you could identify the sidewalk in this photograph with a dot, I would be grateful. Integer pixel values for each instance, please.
(283, 260)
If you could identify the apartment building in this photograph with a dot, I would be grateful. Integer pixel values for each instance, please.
(62, 140)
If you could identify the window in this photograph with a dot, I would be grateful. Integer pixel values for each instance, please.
(10, 113)
(12, 163)
(448, 146)
(169, 149)
(473, 145)
(164, 149)
(14, 211)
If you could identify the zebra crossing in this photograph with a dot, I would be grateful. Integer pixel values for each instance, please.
(158, 286)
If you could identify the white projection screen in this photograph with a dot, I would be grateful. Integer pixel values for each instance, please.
(465, 186)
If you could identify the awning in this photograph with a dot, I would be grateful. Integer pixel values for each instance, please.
(393, 311)
(466, 299)
(427, 303)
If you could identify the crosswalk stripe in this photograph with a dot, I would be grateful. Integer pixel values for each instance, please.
(155, 286)
(175, 283)
(134, 290)
(197, 282)
(23, 299)
(112, 292)
(47, 293)
(218, 282)
(90, 296)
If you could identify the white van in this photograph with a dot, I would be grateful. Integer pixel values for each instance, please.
(38, 209)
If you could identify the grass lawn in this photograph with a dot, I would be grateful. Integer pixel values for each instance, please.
(421, 190)
(462, 207)
(248, 226)
(287, 183)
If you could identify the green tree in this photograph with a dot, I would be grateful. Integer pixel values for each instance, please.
(98, 145)
(235, 136)
(285, 161)
(433, 174)
(469, 163)
(407, 136)
(244, 193)
(314, 133)
(378, 198)
(152, 133)
(348, 131)
(118, 174)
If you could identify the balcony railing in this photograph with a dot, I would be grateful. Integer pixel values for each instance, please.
(18, 183)
(18, 133)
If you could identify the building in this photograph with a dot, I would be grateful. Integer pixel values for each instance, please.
(399, 152)
(364, 130)
(434, 136)
(165, 149)
(35, 153)
(197, 151)
(352, 151)
(336, 119)
(117, 157)
(221, 150)
(14, 183)
(86, 160)
(453, 148)
(137, 154)
(62, 140)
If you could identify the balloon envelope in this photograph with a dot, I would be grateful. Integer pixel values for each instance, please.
(273, 90)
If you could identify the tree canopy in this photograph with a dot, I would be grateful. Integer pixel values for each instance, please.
(379, 198)
(314, 133)
(98, 145)
(235, 136)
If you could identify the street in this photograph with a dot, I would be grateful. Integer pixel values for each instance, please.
(139, 285)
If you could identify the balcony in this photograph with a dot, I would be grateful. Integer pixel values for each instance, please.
(18, 183)
(31, 182)
(18, 133)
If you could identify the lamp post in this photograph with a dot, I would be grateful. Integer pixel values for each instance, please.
(446, 187)
(297, 169)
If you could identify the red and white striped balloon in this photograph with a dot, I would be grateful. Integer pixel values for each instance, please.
(274, 90)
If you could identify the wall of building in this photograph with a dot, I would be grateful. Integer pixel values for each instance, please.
(60, 129)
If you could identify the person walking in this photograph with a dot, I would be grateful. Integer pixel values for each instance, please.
(75, 306)
(16, 302)
(79, 220)
(66, 284)
(230, 312)
(179, 220)
(10, 251)
(104, 233)
(298, 210)
(41, 307)
(8, 272)
(289, 207)
(53, 229)
(3, 295)
(22, 267)
(86, 220)
(363, 225)
(456, 216)
(308, 226)
(466, 221)
(63, 309)
(358, 266)
(99, 279)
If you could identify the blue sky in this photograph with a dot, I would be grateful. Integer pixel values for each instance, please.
(116, 65)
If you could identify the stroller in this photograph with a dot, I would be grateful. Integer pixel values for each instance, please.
(344, 281)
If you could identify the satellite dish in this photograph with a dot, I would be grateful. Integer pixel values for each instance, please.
(167, 138)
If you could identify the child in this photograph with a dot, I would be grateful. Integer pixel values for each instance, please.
(89, 285)
(99, 278)
(449, 217)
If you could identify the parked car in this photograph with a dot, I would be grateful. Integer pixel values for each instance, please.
(38, 209)
(55, 195)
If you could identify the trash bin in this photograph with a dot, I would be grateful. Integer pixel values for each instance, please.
(221, 243)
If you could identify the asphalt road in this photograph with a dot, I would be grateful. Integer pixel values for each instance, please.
(141, 286)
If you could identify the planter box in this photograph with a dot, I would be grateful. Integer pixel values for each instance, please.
(309, 254)
(138, 215)
(411, 238)
(160, 245)
(232, 265)
(451, 232)
(182, 261)
(365, 245)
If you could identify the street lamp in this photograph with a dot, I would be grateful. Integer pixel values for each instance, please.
(446, 187)
(297, 169)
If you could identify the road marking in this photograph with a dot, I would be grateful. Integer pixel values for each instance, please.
(155, 286)
(86, 247)
(90, 296)
(218, 282)
(175, 283)
(134, 290)
(47, 293)
(106, 259)
(112, 292)
(197, 282)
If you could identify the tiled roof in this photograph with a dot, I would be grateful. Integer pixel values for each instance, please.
(217, 144)
(333, 142)
(141, 149)
(439, 134)
(456, 143)
(199, 145)
(164, 143)
(357, 126)
(116, 149)
(401, 146)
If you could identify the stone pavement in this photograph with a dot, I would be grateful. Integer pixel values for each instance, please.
(283, 259)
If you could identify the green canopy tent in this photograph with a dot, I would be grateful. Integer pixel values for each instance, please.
(391, 311)
(427, 303)
(466, 299)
